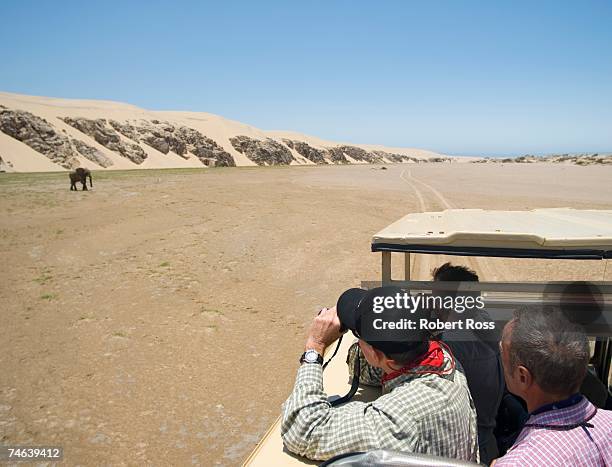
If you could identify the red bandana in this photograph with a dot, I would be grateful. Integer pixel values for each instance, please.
(432, 362)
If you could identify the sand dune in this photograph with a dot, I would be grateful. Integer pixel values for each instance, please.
(48, 134)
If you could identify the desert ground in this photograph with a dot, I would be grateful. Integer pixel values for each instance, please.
(159, 317)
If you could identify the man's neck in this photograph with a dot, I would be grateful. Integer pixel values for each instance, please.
(540, 399)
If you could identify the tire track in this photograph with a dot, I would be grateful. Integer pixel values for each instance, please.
(423, 264)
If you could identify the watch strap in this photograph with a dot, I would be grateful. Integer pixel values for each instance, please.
(319, 358)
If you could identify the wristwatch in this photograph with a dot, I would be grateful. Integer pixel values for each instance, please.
(311, 356)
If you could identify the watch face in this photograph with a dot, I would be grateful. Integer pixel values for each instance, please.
(311, 356)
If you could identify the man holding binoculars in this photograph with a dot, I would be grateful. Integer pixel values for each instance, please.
(425, 406)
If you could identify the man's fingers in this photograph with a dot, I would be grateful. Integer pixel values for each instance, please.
(325, 328)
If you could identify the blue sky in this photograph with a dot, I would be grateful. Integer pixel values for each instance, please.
(459, 77)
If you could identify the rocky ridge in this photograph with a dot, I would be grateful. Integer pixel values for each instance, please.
(181, 140)
(340, 154)
(115, 135)
(271, 152)
(105, 135)
(91, 153)
(37, 133)
(306, 150)
(578, 159)
(204, 148)
(262, 152)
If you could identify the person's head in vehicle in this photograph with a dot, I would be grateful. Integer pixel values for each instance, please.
(448, 272)
(454, 273)
(545, 359)
(389, 349)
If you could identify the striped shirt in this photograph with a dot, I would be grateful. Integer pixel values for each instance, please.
(423, 413)
(550, 438)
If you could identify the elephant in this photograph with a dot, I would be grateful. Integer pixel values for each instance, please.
(80, 175)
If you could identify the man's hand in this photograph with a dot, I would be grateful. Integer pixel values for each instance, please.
(325, 329)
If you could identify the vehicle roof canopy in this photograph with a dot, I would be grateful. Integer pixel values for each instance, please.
(562, 233)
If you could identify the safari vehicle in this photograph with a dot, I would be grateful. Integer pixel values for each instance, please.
(552, 234)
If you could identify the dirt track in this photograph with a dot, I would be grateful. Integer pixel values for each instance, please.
(159, 317)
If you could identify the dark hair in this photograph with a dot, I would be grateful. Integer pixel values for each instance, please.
(553, 349)
(449, 273)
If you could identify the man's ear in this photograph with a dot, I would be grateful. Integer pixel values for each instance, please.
(380, 356)
(525, 378)
(366, 348)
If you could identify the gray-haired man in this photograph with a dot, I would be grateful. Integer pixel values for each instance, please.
(545, 359)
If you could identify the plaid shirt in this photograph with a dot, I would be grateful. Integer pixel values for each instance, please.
(424, 413)
(589, 446)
